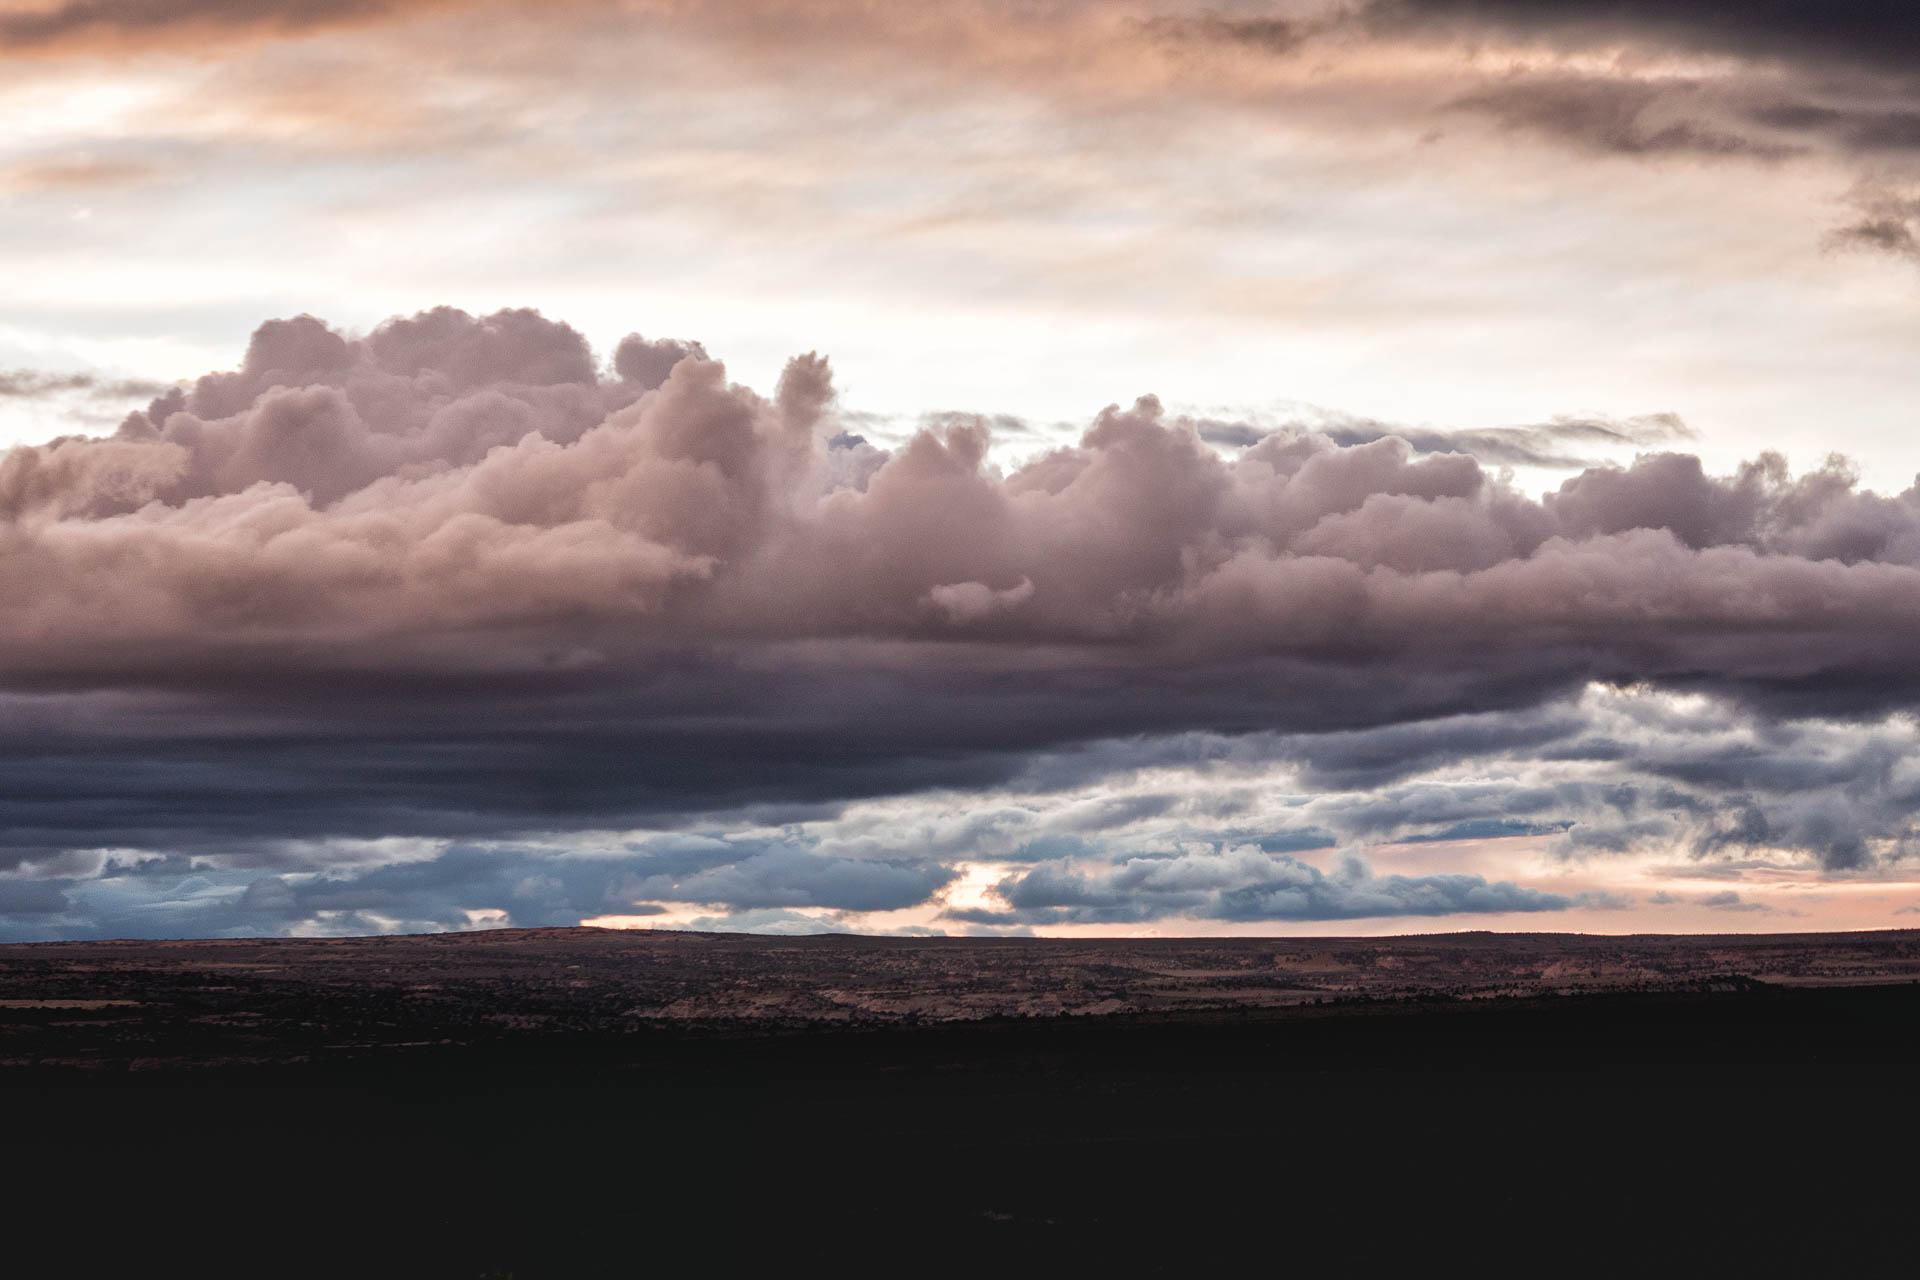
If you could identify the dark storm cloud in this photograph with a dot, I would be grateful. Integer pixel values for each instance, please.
(449, 581)
(1368, 759)
(21, 897)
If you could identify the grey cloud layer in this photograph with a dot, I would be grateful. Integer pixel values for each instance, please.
(1245, 883)
(1118, 832)
(1564, 443)
(177, 896)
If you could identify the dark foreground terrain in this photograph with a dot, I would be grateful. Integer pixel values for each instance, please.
(567, 1102)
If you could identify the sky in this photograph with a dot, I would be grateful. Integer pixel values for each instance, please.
(986, 467)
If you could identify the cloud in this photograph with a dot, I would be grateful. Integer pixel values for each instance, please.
(647, 363)
(1242, 883)
(794, 878)
(1413, 62)
(964, 602)
(1723, 901)
(1694, 80)
(142, 22)
(336, 889)
(1380, 73)
(1863, 129)
(1260, 35)
(1617, 115)
(447, 570)
(1564, 443)
(1865, 33)
(1730, 901)
(455, 581)
(31, 898)
(36, 384)
(1886, 221)
(75, 174)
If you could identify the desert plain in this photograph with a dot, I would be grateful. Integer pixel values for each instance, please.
(568, 1102)
(194, 1006)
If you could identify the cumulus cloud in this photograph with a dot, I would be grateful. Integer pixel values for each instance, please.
(460, 498)
(647, 363)
(461, 494)
(455, 580)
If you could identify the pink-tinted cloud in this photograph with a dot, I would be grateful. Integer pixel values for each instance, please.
(475, 490)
